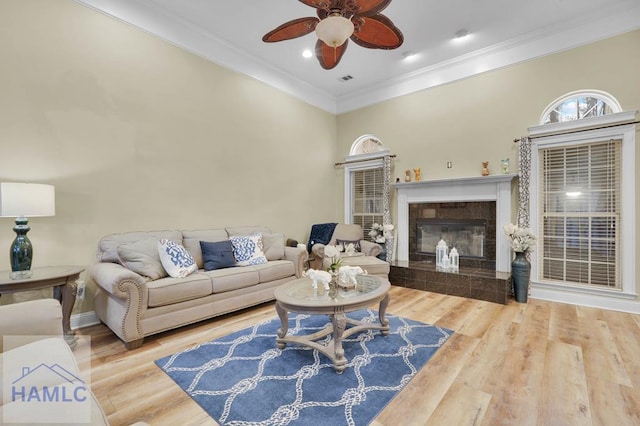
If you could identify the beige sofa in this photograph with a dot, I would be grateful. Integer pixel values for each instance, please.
(365, 258)
(41, 379)
(134, 306)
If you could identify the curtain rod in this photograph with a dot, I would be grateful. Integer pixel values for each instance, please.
(360, 161)
(516, 140)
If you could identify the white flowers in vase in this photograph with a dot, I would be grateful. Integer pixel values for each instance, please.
(333, 253)
(381, 233)
(522, 239)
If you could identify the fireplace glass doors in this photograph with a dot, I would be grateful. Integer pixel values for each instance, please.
(468, 236)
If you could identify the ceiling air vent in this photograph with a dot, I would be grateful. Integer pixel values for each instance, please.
(346, 78)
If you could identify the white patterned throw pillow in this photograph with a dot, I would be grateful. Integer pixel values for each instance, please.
(176, 259)
(248, 250)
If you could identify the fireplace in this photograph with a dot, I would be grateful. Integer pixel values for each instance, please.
(468, 226)
(469, 237)
(482, 198)
(465, 212)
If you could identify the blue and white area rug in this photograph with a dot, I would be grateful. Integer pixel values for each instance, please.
(244, 379)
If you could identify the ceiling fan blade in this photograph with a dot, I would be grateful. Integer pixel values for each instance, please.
(329, 56)
(371, 7)
(377, 32)
(292, 29)
(319, 4)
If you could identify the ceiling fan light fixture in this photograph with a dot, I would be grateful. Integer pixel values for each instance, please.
(334, 30)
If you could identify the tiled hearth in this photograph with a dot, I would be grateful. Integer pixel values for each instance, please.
(475, 283)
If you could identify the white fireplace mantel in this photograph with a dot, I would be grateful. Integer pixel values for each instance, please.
(484, 188)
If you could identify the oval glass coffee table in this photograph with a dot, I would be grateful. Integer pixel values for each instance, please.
(299, 296)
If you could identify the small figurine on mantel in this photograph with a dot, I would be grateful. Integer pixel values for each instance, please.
(417, 172)
(407, 175)
(485, 168)
(505, 166)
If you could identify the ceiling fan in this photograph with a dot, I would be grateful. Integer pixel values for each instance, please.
(337, 21)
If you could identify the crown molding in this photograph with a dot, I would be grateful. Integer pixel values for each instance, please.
(532, 46)
(184, 35)
(143, 15)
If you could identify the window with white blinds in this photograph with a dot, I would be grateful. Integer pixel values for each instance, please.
(367, 190)
(579, 213)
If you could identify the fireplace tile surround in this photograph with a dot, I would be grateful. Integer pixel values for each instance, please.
(489, 280)
(485, 210)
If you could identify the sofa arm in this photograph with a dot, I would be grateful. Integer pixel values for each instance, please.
(370, 248)
(118, 280)
(34, 319)
(298, 256)
(318, 250)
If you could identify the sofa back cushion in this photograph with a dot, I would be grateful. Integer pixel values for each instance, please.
(191, 241)
(142, 257)
(348, 232)
(108, 245)
(273, 245)
(234, 231)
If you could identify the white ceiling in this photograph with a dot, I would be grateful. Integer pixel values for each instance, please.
(503, 32)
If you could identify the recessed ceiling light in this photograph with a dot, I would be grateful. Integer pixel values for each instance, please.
(409, 55)
(307, 53)
(462, 34)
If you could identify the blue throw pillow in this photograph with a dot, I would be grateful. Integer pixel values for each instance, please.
(217, 255)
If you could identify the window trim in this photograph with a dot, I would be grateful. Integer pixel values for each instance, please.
(587, 131)
(356, 163)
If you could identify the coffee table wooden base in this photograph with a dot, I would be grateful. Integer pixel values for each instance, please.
(337, 328)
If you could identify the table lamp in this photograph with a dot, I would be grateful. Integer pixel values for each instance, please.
(19, 200)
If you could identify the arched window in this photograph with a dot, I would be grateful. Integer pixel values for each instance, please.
(579, 105)
(366, 144)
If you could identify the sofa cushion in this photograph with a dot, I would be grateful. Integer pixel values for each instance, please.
(274, 270)
(191, 241)
(142, 258)
(248, 250)
(217, 255)
(108, 245)
(51, 350)
(372, 265)
(176, 259)
(273, 246)
(170, 290)
(247, 230)
(51, 363)
(232, 278)
(347, 231)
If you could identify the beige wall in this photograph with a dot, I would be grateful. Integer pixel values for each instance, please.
(477, 119)
(137, 134)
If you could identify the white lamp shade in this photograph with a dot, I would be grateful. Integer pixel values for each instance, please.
(334, 30)
(27, 199)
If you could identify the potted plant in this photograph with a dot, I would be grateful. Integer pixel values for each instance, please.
(523, 241)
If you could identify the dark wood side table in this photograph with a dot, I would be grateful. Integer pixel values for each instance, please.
(61, 278)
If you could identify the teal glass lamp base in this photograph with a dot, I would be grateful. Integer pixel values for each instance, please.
(21, 251)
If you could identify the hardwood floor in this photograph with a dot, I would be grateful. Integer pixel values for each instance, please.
(539, 363)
